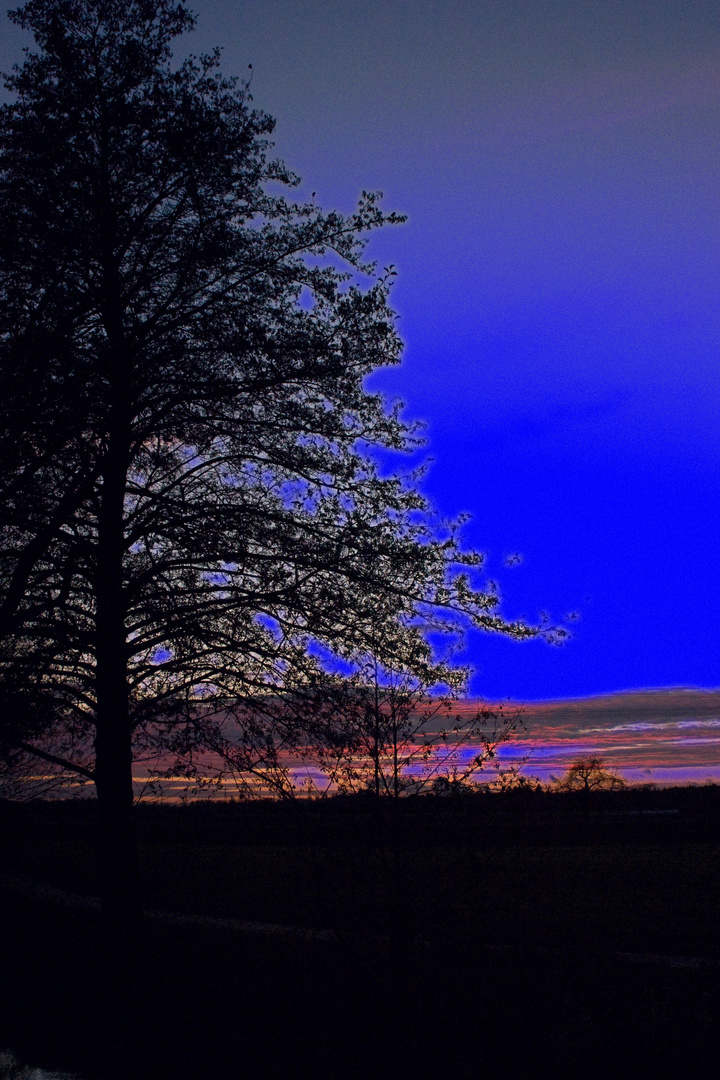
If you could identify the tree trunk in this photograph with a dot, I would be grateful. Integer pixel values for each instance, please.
(396, 767)
(113, 745)
(117, 840)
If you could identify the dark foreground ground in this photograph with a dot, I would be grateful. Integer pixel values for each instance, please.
(508, 934)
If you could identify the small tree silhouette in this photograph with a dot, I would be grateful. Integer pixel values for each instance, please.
(589, 774)
(407, 742)
(400, 724)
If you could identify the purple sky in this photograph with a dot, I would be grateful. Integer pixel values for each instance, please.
(558, 290)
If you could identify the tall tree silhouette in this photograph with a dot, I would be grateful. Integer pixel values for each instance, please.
(190, 501)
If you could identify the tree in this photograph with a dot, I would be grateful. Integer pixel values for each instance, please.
(589, 774)
(192, 505)
(402, 729)
(512, 780)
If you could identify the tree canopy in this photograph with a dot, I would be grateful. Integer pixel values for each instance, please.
(589, 774)
(193, 511)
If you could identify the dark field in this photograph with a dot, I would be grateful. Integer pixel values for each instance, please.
(507, 932)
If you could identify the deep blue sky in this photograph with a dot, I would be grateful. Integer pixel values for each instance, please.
(558, 290)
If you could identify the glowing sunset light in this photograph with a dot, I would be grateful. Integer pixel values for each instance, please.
(662, 737)
(665, 737)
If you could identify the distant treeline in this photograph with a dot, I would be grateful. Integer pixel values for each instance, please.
(470, 815)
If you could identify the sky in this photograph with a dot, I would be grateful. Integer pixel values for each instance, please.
(557, 291)
(663, 737)
(660, 737)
